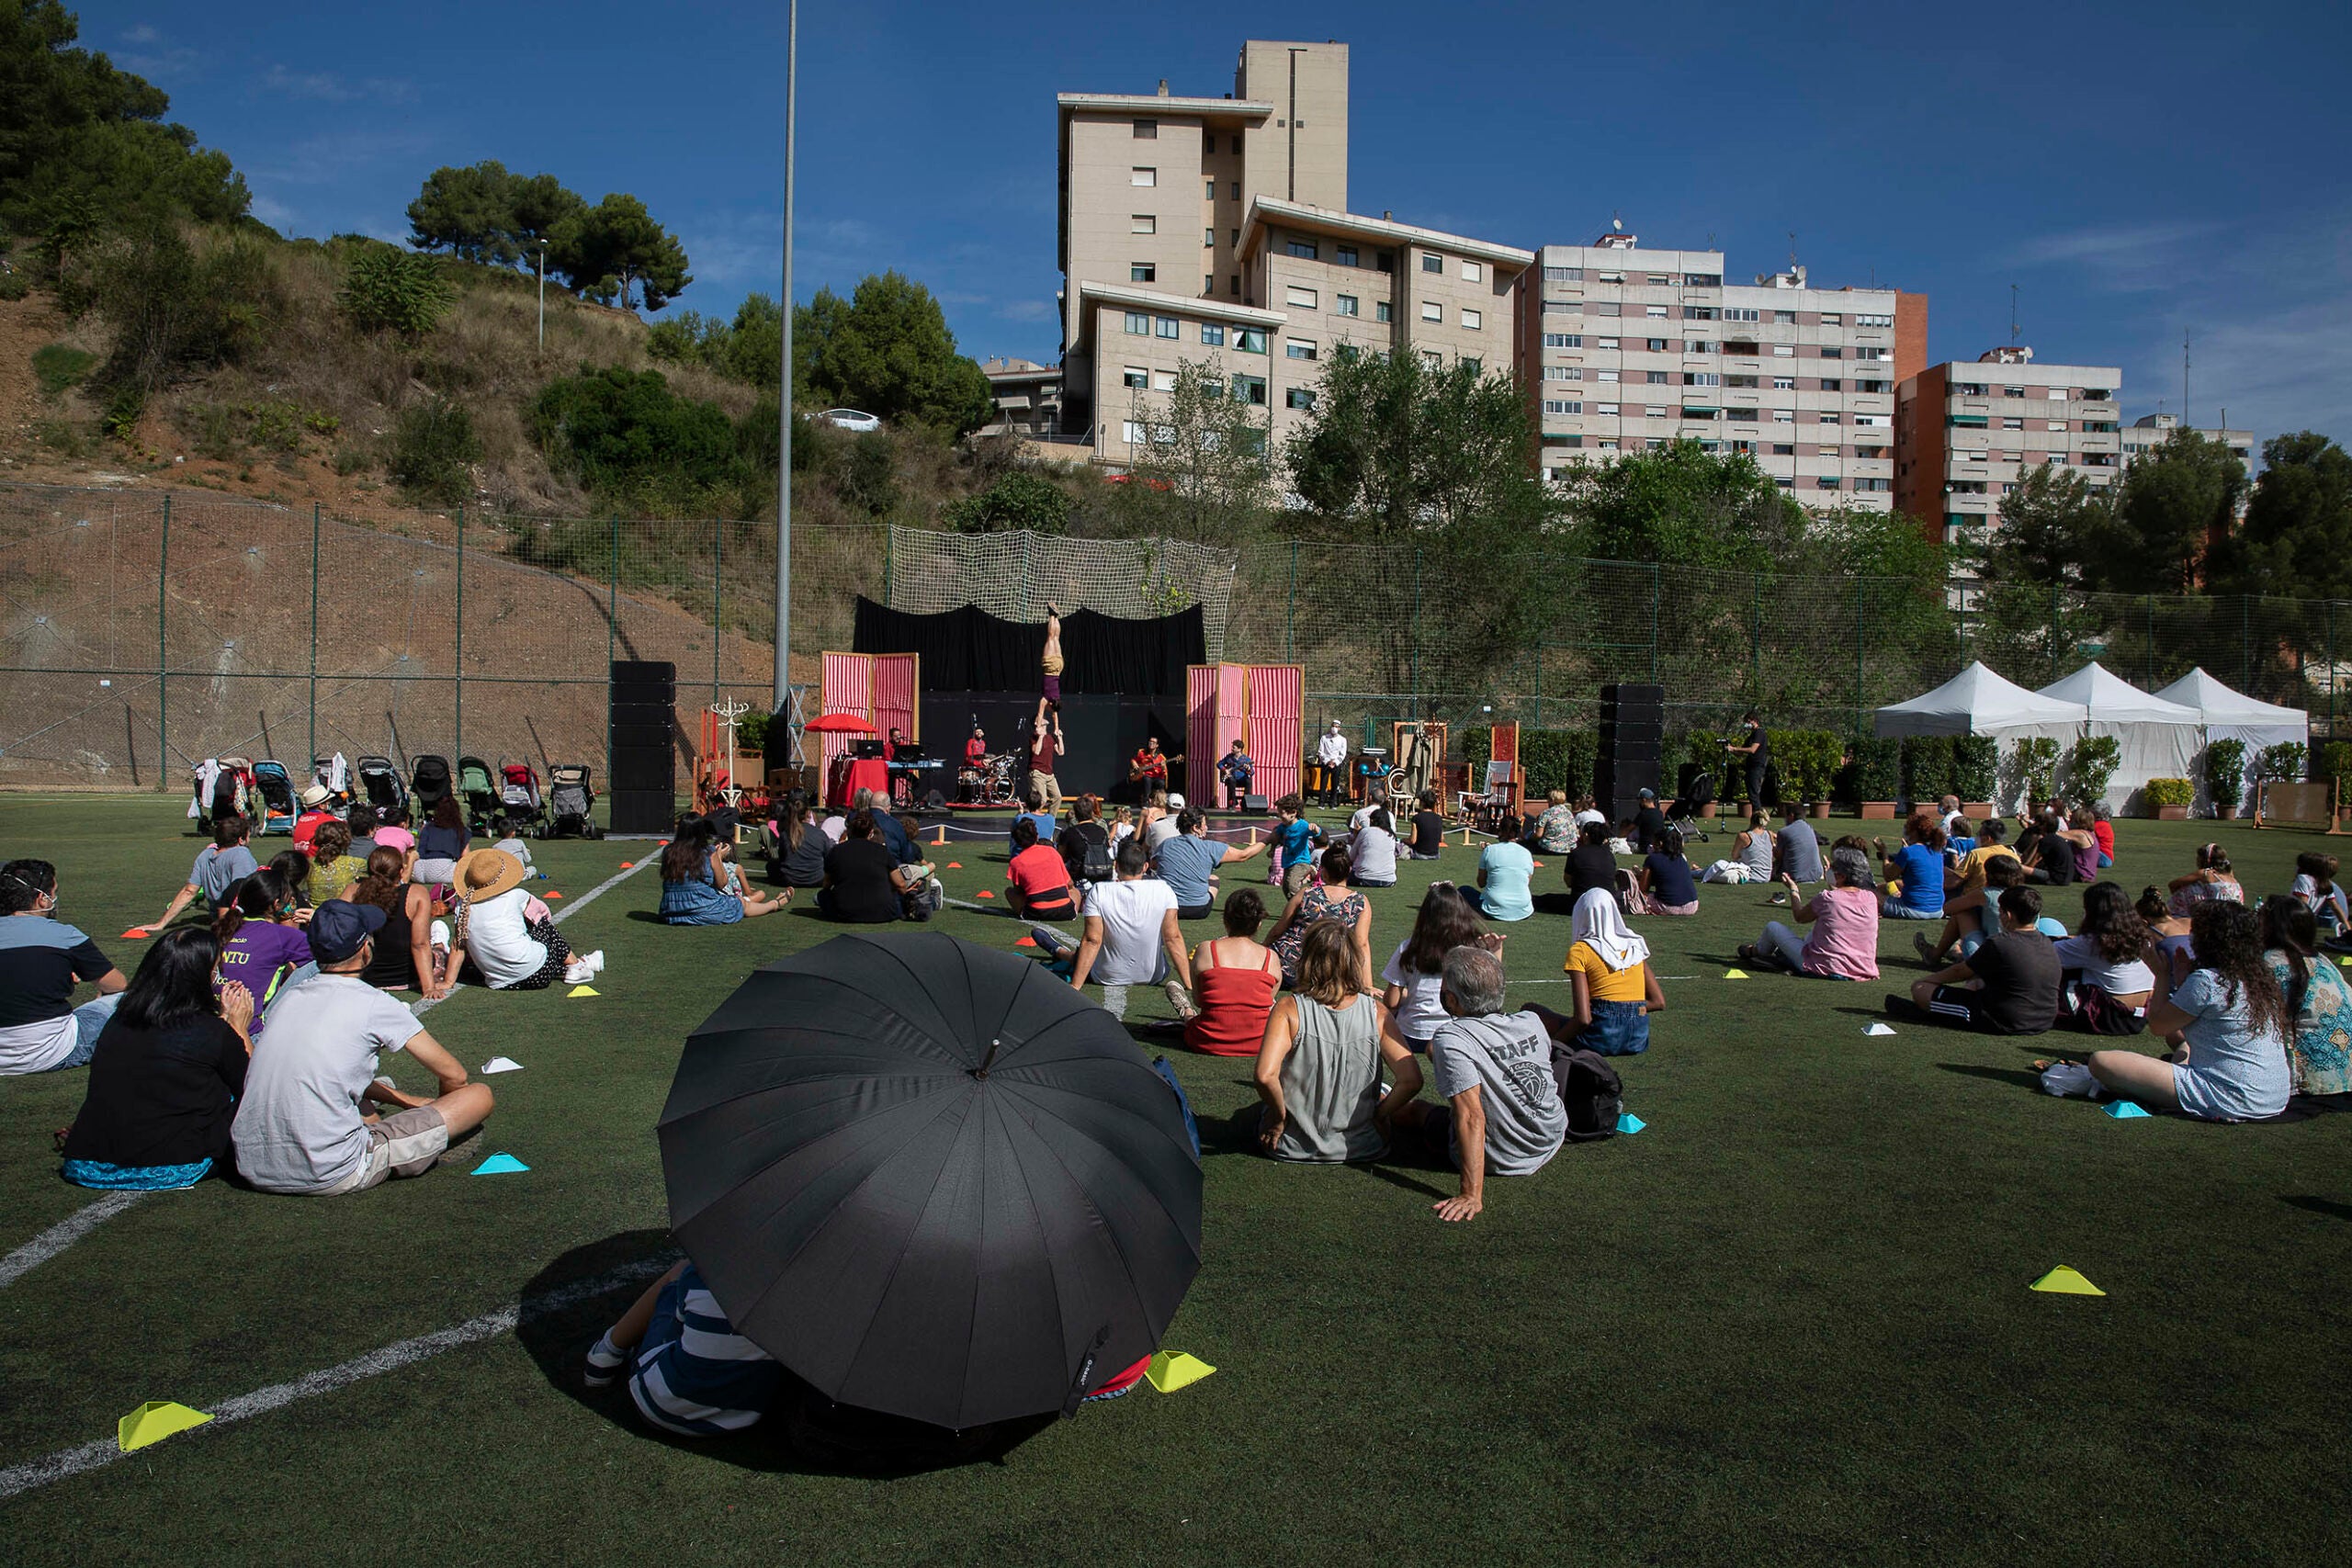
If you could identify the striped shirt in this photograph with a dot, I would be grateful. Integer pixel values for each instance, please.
(694, 1375)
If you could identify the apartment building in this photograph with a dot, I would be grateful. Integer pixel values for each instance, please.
(1027, 395)
(1966, 433)
(1622, 348)
(2151, 430)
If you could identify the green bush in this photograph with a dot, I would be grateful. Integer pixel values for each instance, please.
(174, 308)
(1975, 763)
(1807, 761)
(2224, 771)
(1015, 501)
(1927, 767)
(1876, 771)
(2090, 764)
(623, 432)
(59, 366)
(15, 285)
(2335, 761)
(751, 732)
(2169, 791)
(386, 290)
(434, 448)
(2282, 763)
(2037, 761)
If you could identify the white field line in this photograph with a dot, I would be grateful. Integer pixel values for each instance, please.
(72, 1228)
(66, 1463)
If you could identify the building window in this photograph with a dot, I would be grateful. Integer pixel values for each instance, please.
(1236, 146)
(1250, 390)
(1303, 249)
(1237, 190)
(1783, 416)
(1163, 380)
(1138, 378)
(1564, 275)
(1654, 312)
(1782, 450)
(1142, 271)
(1432, 262)
(1783, 351)
(1831, 384)
(1474, 320)
(1347, 256)
(1298, 398)
(1473, 272)
(1739, 380)
(1344, 305)
(1236, 286)
(1873, 320)
(1132, 430)
(1655, 344)
(1562, 373)
(1473, 364)
(1434, 359)
(1740, 416)
(1608, 411)
(1209, 193)
(1380, 311)
(1832, 319)
(1702, 379)
(1698, 312)
(1605, 343)
(1432, 311)
(1165, 326)
(1607, 309)
(1557, 405)
(1604, 374)
(1873, 386)
(2012, 424)
(1782, 383)
(1140, 175)
(1208, 283)
(1146, 131)
(1826, 481)
(1208, 239)
(1785, 318)
(1606, 444)
(1563, 340)
(1833, 353)
(1739, 313)
(1297, 348)
(1250, 340)
(1212, 336)
(1138, 324)
(1143, 223)
(1868, 351)
(1655, 378)
(1306, 299)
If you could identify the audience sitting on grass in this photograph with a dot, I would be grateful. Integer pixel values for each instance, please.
(401, 955)
(316, 807)
(1372, 850)
(1160, 819)
(1318, 1068)
(441, 843)
(391, 829)
(700, 884)
(1084, 837)
(1131, 937)
(1506, 879)
(1429, 828)
(2104, 981)
(1843, 943)
(1123, 825)
(2228, 1022)
(295, 868)
(302, 1124)
(42, 960)
(503, 938)
(1555, 832)
(2092, 816)
(509, 839)
(1611, 986)
(2168, 931)
(2314, 886)
(796, 849)
(690, 1374)
(1328, 899)
(258, 934)
(2009, 985)
(1751, 855)
(1646, 827)
(1414, 973)
(1591, 864)
(1503, 1115)
(1968, 875)
(362, 825)
(1965, 917)
(2058, 854)
(866, 883)
(332, 866)
(1187, 861)
(1293, 840)
(1234, 981)
(1034, 812)
(1664, 885)
(2212, 882)
(166, 1075)
(2319, 1002)
(1914, 874)
(220, 865)
(1796, 851)
(1041, 887)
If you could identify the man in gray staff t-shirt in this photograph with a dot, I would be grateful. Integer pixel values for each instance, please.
(1800, 850)
(1494, 1069)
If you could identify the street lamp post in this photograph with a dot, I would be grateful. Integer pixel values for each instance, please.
(782, 692)
(543, 296)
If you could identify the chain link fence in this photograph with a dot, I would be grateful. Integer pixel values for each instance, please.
(141, 632)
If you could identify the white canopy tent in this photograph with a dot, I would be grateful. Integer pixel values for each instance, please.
(2233, 716)
(2157, 738)
(1978, 701)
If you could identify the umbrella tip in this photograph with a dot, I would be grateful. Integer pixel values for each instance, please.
(982, 1070)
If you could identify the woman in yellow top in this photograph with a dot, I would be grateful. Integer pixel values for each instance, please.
(1615, 991)
(334, 868)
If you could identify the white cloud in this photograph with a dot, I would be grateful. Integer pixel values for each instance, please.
(143, 33)
(327, 87)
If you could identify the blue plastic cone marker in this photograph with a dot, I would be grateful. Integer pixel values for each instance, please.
(500, 1164)
(2065, 1281)
(2123, 1110)
(1629, 1123)
(154, 1421)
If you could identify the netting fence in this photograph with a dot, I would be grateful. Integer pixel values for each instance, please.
(142, 632)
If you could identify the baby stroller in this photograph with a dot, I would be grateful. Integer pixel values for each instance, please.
(569, 803)
(429, 781)
(1697, 793)
(379, 783)
(230, 795)
(518, 795)
(275, 792)
(332, 773)
(477, 793)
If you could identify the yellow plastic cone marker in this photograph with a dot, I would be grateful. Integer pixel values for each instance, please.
(2065, 1281)
(154, 1421)
(1170, 1373)
(1735, 974)
(583, 991)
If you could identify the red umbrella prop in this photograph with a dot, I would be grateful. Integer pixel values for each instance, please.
(839, 724)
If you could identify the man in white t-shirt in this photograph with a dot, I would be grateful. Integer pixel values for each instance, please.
(1587, 812)
(1132, 938)
(303, 1125)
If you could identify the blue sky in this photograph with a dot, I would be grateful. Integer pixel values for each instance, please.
(2136, 170)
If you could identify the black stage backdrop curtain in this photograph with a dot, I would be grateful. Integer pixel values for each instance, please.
(967, 650)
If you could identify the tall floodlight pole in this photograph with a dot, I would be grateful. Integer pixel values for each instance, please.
(543, 296)
(783, 697)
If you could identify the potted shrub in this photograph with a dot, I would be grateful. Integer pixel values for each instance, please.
(1927, 768)
(1877, 774)
(2225, 775)
(2037, 765)
(2335, 765)
(2091, 764)
(2168, 799)
(1817, 767)
(1975, 761)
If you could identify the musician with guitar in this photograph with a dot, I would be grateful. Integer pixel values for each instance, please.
(1148, 767)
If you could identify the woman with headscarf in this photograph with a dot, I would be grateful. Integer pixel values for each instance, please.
(1615, 991)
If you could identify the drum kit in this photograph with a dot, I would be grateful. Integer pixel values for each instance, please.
(989, 784)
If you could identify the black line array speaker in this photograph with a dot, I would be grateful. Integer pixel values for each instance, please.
(1633, 741)
(643, 787)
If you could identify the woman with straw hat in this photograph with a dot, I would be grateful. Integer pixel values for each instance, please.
(498, 943)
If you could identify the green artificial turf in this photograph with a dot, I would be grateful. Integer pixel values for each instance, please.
(1789, 1321)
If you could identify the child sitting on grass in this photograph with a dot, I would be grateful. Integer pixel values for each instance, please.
(509, 839)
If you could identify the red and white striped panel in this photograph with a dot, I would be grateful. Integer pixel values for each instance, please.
(1277, 701)
(1201, 747)
(897, 677)
(845, 685)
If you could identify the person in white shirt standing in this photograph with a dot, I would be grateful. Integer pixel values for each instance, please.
(1331, 756)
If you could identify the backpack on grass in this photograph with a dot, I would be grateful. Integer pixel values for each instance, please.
(1591, 1092)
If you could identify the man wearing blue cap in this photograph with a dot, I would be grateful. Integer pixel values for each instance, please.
(304, 1125)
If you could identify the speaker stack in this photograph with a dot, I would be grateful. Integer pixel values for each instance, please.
(643, 788)
(1632, 739)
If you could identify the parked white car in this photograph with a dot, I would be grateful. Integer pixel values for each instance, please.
(851, 419)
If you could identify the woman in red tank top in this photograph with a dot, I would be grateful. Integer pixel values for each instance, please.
(1235, 978)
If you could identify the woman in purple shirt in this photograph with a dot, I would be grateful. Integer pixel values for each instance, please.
(262, 942)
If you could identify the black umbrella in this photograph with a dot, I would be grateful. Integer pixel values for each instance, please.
(931, 1178)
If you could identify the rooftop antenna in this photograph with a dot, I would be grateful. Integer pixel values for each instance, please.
(1617, 220)
(2013, 315)
(2184, 375)
(1793, 250)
